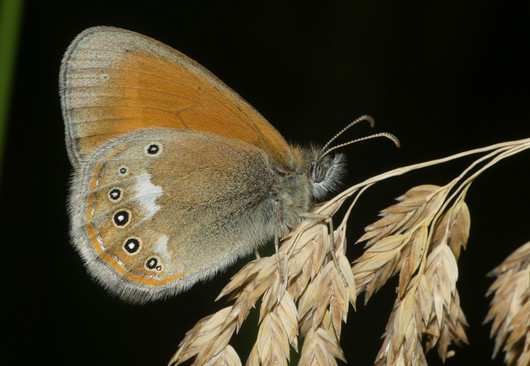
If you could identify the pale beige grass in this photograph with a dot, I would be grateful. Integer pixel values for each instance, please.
(408, 240)
(510, 307)
(307, 300)
(322, 284)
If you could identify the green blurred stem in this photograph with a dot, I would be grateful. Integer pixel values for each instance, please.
(10, 16)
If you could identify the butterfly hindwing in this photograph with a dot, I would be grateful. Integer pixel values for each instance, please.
(145, 201)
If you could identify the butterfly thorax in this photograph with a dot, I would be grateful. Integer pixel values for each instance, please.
(298, 188)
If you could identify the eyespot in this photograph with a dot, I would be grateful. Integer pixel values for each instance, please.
(121, 218)
(123, 170)
(152, 264)
(115, 194)
(153, 149)
(104, 77)
(318, 171)
(132, 245)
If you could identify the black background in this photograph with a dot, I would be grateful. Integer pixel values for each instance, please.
(443, 76)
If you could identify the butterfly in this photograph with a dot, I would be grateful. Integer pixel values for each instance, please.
(175, 176)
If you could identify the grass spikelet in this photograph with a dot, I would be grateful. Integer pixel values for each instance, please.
(418, 239)
(208, 339)
(397, 239)
(315, 264)
(429, 308)
(227, 357)
(320, 349)
(278, 330)
(453, 228)
(447, 321)
(402, 343)
(510, 307)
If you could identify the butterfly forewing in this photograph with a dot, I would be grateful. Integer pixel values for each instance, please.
(114, 81)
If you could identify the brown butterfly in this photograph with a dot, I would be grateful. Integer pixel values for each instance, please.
(175, 175)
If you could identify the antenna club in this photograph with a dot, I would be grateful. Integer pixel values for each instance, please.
(381, 134)
(370, 120)
(392, 137)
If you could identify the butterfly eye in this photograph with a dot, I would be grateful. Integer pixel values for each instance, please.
(318, 172)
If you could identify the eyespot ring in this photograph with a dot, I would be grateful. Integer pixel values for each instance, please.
(153, 264)
(121, 218)
(153, 149)
(123, 170)
(115, 194)
(132, 245)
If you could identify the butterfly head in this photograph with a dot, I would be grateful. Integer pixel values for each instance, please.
(309, 177)
(325, 172)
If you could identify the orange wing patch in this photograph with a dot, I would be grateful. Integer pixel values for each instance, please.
(112, 85)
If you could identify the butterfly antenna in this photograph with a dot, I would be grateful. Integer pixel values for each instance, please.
(381, 134)
(360, 119)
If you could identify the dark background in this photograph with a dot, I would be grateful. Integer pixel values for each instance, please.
(443, 76)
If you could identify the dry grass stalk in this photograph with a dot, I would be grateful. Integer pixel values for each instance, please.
(453, 228)
(228, 356)
(402, 343)
(411, 240)
(319, 280)
(430, 308)
(208, 340)
(510, 307)
(397, 237)
(420, 238)
(446, 321)
(324, 305)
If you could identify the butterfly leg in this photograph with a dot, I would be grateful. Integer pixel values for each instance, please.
(283, 270)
